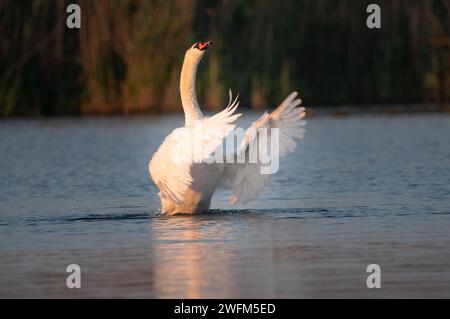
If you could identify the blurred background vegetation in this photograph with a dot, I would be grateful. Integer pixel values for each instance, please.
(127, 56)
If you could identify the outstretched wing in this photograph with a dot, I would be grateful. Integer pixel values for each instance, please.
(170, 166)
(194, 144)
(246, 179)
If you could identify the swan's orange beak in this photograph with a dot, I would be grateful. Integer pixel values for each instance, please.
(203, 45)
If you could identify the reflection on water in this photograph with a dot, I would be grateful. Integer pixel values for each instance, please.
(191, 254)
(361, 190)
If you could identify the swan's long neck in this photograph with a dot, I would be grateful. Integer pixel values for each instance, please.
(191, 108)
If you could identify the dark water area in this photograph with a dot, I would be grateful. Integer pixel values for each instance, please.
(360, 190)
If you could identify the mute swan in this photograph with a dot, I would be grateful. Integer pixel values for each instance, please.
(187, 186)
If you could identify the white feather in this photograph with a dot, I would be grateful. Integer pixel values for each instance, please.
(170, 167)
(246, 180)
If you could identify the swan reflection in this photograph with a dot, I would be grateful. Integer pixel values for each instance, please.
(192, 255)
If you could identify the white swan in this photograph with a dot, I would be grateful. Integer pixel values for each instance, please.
(180, 168)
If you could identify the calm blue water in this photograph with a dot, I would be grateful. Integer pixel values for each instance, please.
(360, 190)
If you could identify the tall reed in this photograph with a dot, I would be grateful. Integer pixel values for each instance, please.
(127, 56)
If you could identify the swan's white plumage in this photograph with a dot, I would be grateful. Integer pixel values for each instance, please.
(179, 168)
(186, 146)
(245, 179)
(196, 143)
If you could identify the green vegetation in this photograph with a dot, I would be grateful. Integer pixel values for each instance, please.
(127, 56)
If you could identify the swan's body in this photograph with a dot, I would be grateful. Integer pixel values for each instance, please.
(179, 168)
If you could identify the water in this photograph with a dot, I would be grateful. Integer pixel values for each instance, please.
(362, 189)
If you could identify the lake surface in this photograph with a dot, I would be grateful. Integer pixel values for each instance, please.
(366, 189)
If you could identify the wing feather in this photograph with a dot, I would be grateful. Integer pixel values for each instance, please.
(246, 179)
(170, 166)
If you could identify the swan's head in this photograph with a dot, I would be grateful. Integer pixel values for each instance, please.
(198, 49)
